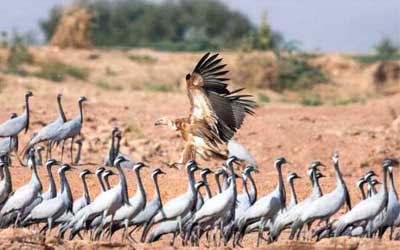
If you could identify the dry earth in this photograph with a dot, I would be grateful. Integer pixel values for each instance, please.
(363, 134)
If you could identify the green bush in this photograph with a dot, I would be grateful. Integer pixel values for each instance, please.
(142, 58)
(18, 55)
(384, 51)
(263, 98)
(56, 71)
(104, 84)
(158, 87)
(295, 73)
(311, 100)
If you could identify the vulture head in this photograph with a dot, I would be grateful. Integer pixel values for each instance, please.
(165, 121)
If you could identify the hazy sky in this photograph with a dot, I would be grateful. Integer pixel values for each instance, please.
(336, 25)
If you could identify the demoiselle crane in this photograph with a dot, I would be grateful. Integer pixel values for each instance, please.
(178, 207)
(294, 213)
(24, 195)
(48, 132)
(12, 127)
(267, 207)
(150, 209)
(136, 203)
(5, 183)
(367, 209)
(327, 205)
(218, 206)
(49, 210)
(106, 203)
(70, 129)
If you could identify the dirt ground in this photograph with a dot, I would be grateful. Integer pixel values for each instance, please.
(362, 133)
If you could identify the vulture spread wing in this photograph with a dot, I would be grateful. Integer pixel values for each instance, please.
(216, 112)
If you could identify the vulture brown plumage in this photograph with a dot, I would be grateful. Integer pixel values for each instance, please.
(215, 112)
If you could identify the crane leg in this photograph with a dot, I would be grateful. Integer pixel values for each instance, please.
(208, 239)
(260, 231)
(47, 151)
(391, 232)
(180, 228)
(50, 226)
(215, 236)
(18, 218)
(71, 149)
(131, 232)
(172, 242)
(125, 234)
(62, 149)
(110, 227)
(198, 236)
(221, 231)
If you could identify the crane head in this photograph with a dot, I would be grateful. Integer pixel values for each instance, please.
(361, 182)
(292, 176)
(231, 160)
(206, 171)
(85, 172)
(250, 169)
(82, 99)
(280, 162)
(115, 130)
(335, 157)
(219, 171)
(199, 184)
(139, 165)
(51, 162)
(157, 171)
(65, 167)
(28, 94)
(369, 174)
(119, 160)
(390, 162)
(107, 173)
(99, 170)
(191, 164)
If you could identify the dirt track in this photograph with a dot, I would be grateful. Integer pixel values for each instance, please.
(363, 133)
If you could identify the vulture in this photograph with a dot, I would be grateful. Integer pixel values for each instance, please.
(216, 113)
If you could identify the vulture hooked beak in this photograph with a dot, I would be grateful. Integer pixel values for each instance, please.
(161, 122)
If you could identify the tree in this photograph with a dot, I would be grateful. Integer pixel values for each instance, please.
(385, 49)
(170, 25)
(264, 39)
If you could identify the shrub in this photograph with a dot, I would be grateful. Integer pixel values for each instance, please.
(384, 51)
(158, 87)
(142, 58)
(255, 70)
(295, 73)
(263, 98)
(103, 84)
(17, 56)
(56, 71)
(311, 100)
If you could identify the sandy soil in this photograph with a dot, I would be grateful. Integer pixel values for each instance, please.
(363, 134)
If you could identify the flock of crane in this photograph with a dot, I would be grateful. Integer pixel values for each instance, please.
(223, 216)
